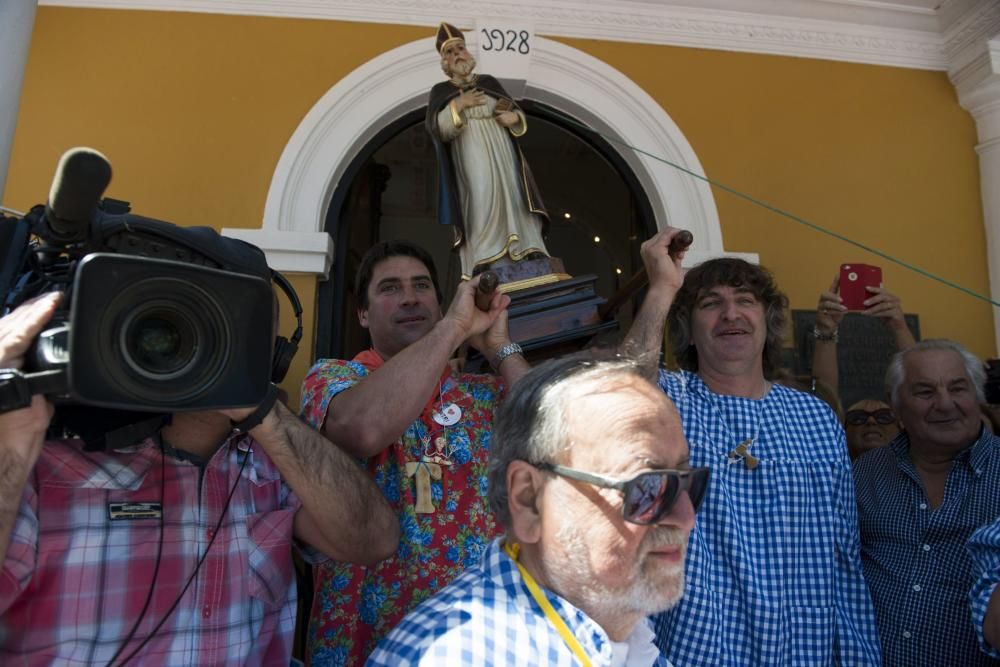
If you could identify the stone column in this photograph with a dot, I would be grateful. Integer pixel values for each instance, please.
(977, 81)
(17, 19)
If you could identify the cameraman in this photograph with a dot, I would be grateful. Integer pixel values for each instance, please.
(176, 551)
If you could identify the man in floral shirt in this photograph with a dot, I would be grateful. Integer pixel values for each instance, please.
(423, 431)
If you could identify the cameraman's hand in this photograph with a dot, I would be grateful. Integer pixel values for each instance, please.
(19, 328)
(22, 432)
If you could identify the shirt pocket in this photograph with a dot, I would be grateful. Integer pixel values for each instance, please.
(272, 572)
(810, 635)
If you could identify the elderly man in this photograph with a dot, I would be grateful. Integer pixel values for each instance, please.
(486, 188)
(773, 573)
(920, 498)
(176, 550)
(423, 430)
(595, 534)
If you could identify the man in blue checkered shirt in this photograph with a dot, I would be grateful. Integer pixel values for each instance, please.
(589, 475)
(984, 599)
(773, 571)
(920, 498)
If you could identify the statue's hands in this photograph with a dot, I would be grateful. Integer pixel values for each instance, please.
(830, 311)
(471, 320)
(508, 118)
(470, 98)
(663, 268)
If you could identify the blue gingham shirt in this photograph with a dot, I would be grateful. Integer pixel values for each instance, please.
(984, 547)
(487, 617)
(915, 556)
(773, 570)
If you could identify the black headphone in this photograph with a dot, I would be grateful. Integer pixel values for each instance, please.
(285, 348)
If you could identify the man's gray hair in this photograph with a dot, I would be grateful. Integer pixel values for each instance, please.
(531, 425)
(896, 375)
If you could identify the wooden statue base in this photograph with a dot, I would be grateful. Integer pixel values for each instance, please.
(556, 317)
(551, 313)
(528, 273)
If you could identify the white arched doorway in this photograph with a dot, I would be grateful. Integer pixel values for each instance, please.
(382, 90)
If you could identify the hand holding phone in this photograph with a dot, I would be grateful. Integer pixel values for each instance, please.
(854, 279)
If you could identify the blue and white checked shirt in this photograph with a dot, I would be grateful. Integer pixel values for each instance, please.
(984, 547)
(915, 556)
(773, 571)
(487, 617)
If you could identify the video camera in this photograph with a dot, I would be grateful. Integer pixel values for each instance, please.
(155, 318)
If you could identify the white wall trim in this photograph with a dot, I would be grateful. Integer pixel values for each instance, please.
(351, 113)
(877, 35)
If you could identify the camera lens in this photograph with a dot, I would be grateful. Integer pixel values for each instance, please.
(160, 342)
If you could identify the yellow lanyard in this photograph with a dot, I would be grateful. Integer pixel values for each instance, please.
(551, 614)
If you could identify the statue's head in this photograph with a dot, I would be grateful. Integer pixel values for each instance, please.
(456, 61)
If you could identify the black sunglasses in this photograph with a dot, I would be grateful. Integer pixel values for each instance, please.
(649, 496)
(859, 417)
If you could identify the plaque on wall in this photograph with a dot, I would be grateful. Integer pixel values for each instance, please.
(863, 353)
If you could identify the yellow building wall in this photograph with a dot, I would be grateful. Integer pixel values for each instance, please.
(193, 111)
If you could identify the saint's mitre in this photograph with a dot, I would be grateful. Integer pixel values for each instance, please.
(448, 34)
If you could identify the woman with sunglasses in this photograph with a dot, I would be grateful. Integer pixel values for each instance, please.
(869, 424)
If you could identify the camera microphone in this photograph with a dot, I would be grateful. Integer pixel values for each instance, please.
(80, 180)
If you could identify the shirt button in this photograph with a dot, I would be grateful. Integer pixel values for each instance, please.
(916, 587)
(906, 634)
(206, 612)
(927, 547)
(922, 506)
(208, 533)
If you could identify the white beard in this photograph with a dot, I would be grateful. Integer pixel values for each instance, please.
(464, 68)
(642, 595)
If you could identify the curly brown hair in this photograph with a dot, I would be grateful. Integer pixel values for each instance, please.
(730, 272)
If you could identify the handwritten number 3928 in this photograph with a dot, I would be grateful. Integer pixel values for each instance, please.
(505, 40)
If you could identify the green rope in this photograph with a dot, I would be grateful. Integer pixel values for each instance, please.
(782, 212)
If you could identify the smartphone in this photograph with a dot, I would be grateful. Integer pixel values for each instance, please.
(854, 278)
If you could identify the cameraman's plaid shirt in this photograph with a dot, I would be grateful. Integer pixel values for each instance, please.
(75, 579)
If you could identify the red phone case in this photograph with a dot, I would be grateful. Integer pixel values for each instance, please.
(854, 278)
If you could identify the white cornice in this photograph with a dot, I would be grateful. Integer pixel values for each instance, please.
(623, 21)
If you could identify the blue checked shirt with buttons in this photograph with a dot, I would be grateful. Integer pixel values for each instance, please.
(487, 617)
(773, 569)
(984, 547)
(915, 556)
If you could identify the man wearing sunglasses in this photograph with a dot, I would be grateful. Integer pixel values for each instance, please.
(869, 424)
(589, 476)
(919, 500)
(773, 573)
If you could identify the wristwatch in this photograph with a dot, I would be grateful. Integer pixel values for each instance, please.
(504, 352)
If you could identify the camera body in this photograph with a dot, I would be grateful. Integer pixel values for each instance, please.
(139, 332)
(854, 278)
(155, 318)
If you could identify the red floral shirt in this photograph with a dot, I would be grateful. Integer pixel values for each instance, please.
(355, 606)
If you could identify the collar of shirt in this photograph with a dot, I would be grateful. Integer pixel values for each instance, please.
(638, 649)
(976, 456)
(499, 567)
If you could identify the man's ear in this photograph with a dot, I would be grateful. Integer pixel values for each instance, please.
(524, 501)
(363, 317)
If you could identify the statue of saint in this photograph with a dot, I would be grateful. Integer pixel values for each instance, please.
(486, 189)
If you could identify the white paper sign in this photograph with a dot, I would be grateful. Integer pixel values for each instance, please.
(504, 49)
